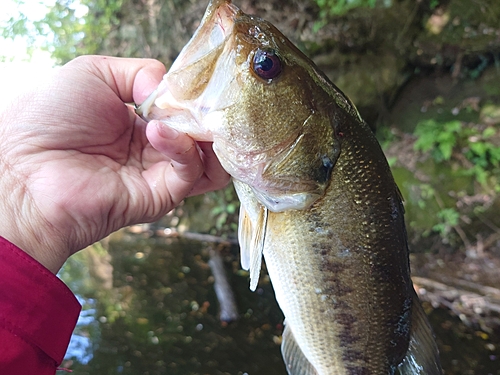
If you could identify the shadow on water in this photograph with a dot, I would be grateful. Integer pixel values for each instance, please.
(150, 308)
(465, 351)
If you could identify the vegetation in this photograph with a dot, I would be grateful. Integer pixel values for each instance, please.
(458, 171)
(126, 28)
(425, 75)
(69, 28)
(372, 49)
(472, 148)
(340, 7)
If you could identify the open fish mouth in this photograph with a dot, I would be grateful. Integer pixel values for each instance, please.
(176, 94)
(216, 25)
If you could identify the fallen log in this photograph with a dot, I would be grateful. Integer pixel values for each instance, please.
(223, 290)
(473, 303)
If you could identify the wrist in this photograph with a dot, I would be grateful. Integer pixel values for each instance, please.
(33, 244)
(23, 226)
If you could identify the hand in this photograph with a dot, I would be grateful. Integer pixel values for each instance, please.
(77, 163)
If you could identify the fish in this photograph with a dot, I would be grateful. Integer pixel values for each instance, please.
(318, 201)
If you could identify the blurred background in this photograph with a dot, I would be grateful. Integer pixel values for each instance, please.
(170, 297)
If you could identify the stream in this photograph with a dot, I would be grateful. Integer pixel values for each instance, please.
(149, 307)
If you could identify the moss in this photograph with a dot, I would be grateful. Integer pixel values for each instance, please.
(364, 81)
(459, 30)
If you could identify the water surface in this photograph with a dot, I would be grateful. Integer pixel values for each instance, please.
(149, 307)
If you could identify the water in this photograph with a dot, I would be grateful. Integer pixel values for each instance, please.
(150, 308)
(161, 315)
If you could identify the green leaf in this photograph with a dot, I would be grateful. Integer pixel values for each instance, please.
(489, 132)
(446, 149)
(449, 216)
(427, 132)
(453, 126)
(479, 148)
(495, 155)
(481, 174)
(231, 208)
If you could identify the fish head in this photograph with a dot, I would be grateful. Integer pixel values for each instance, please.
(243, 85)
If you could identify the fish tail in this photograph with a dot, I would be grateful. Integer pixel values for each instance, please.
(422, 357)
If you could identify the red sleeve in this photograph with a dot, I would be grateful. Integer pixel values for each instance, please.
(37, 315)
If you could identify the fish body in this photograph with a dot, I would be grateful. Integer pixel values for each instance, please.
(318, 200)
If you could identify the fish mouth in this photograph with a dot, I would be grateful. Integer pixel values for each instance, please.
(178, 96)
(216, 25)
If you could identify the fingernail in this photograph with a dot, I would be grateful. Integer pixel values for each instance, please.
(166, 131)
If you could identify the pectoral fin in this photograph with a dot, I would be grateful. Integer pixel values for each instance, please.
(251, 231)
(422, 357)
(257, 247)
(295, 360)
(244, 237)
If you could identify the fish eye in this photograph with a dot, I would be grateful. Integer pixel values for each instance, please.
(266, 64)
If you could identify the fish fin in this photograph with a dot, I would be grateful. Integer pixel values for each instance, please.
(251, 231)
(295, 361)
(422, 357)
(257, 247)
(244, 237)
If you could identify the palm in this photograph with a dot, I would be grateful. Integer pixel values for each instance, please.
(89, 163)
(84, 166)
(84, 184)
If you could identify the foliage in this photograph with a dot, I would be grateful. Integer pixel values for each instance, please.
(437, 138)
(69, 27)
(471, 144)
(457, 148)
(448, 219)
(433, 4)
(340, 7)
(225, 210)
(329, 9)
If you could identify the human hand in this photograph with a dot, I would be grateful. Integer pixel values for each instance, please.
(77, 163)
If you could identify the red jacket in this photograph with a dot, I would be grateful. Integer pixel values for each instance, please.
(37, 315)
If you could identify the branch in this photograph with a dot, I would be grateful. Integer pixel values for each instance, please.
(472, 302)
(202, 237)
(223, 290)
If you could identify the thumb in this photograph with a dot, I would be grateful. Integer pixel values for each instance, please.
(132, 80)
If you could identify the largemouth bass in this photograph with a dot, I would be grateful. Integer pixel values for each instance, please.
(318, 200)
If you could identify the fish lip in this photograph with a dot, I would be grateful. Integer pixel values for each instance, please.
(215, 27)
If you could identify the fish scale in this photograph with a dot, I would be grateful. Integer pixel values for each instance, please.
(318, 200)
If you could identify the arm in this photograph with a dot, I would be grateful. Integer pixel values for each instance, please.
(77, 164)
(37, 315)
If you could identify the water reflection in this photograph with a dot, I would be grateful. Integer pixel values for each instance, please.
(156, 312)
(161, 315)
(80, 346)
(463, 350)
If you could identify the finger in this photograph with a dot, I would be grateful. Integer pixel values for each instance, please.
(131, 79)
(214, 176)
(146, 81)
(178, 147)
